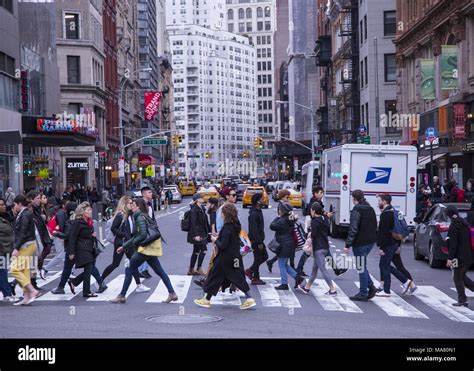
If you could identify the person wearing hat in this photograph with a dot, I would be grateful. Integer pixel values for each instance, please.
(257, 238)
(459, 254)
(284, 226)
(198, 234)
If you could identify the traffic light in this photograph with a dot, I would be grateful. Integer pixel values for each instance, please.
(180, 139)
(245, 155)
(260, 143)
(207, 155)
(257, 142)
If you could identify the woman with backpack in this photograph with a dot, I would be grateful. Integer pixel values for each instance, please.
(319, 237)
(81, 249)
(284, 226)
(139, 254)
(122, 226)
(228, 265)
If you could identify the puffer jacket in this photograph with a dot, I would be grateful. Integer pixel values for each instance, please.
(284, 235)
(24, 228)
(7, 237)
(139, 233)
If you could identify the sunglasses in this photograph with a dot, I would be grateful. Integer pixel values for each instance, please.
(233, 194)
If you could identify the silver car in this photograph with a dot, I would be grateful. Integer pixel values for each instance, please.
(176, 194)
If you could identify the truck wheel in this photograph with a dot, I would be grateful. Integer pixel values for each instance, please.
(434, 263)
(333, 229)
(416, 254)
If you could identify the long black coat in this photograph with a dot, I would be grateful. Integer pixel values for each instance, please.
(459, 242)
(284, 234)
(80, 243)
(199, 225)
(228, 265)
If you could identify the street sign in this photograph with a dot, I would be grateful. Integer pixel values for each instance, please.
(193, 156)
(259, 155)
(121, 168)
(150, 171)
(155, 141)
(431, 133)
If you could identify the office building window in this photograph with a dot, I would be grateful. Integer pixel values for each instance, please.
(366, 66)
(361, 73)
(361, 30)
(259, 13)
(259, 26)
(389, 23)
(248, 13)
(267, 11)
(73, 70)
(242, 27)
(72, 25)
(249, 26)
(389, 67)
(391, 106)
(268, 25)
(230, 14)
(230, 27)
(241, 13)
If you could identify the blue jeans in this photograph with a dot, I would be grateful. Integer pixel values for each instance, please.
(137, 260)
(361, 253)
(285, 270)
(4, 286)
(386, 268)
(301, 262)
(144, 267)
(67, 270)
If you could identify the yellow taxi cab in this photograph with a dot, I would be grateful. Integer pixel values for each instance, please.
(207, 191)
(250, 191)
(187, 188)
(296, 198)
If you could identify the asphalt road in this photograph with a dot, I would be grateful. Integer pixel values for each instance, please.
(427, 314)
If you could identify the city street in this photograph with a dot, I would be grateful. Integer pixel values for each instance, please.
(426, 314)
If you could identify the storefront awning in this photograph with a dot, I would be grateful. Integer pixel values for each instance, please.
(10, 137)
(33, 137)
(424, 160)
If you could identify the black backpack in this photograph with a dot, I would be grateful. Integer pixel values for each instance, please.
(186, 221)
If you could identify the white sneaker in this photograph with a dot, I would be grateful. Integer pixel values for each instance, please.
(9, 299)
(142, 288)
(405, 287)
(382, 294)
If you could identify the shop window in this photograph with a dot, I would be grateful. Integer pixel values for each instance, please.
(71, 21)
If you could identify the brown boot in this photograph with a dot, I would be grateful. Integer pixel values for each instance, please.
(171, 297)
(192, 272)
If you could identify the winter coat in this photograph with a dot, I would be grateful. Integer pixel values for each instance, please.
(362, 226)
(81, 243)
(121, 229)
(228, 265)
(24, 228)
(384, 235)
(7, 237)
(41, 226)
(284, 235)
(139, 232)
(459, 242)
(256, 226)
(199, 225)
(319, 233)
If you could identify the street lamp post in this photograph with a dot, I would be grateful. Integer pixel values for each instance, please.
(312, 121)
(121, 127)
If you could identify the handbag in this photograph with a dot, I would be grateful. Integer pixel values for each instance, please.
(99, 247)
(308, 246)
(155, 248)
(274, 246)
(152, 234)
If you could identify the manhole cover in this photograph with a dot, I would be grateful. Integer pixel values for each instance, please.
(188, 318)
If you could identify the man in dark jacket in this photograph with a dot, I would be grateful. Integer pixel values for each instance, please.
(362, 236)
(257, 238)
(198, 235)
(388, 245)
(460, 254)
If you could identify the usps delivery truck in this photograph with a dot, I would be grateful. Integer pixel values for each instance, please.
(374, 169)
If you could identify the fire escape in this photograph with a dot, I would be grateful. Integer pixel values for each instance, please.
(349, 98)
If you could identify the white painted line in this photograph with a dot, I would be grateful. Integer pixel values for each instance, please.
(113, 289)
(226, 298)
(395, 306)
(180, 284)
(442, 303)
(469, 293)
(64, 297)
(286, 298)
(341, 302)
(49, 278)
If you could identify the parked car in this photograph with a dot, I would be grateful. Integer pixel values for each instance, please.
(250, 191)
(176, 194)
(429, 240)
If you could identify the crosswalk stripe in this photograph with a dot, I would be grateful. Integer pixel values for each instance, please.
(226, 298)
(113, 289)
(49, 278)
(64, 297)
(395, 306)
(341, 302)
(469, 294)
(277, 298)
(180, 284)
(442, 303)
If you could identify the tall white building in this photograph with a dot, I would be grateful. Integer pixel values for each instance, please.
(214, 86)
(257, 20)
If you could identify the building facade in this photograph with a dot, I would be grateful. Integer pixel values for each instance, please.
(435, 83)
(11, 169)
(214, 88)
